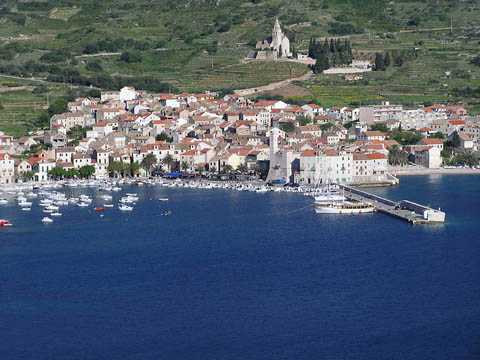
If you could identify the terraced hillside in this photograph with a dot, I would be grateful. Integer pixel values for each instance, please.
(193, 45)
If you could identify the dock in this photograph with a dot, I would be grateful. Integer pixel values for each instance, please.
(405, 210)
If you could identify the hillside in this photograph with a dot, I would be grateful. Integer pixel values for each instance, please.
(166, 45)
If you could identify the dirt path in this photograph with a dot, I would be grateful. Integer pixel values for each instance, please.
(272, 86)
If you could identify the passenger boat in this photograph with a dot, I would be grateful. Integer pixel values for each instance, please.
(5, 223)
(336, 203)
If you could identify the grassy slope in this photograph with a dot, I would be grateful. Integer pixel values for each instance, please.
(187, 28)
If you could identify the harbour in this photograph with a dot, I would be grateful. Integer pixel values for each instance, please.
(405, 210)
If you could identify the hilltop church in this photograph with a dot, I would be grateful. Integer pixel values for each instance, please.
(275, 47)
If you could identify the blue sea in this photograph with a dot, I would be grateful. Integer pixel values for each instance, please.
(236, 275)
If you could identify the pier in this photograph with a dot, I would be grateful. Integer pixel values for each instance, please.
(406, 210)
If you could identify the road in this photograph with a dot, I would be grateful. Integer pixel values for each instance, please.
(272, 86)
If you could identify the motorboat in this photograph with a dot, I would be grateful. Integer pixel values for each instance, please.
(47, 220)
(5, 223)
(125, 208)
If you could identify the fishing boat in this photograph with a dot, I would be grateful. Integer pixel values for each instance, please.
(5, 223)
(99, 209)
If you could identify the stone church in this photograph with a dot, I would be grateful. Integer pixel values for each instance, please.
(275, 47)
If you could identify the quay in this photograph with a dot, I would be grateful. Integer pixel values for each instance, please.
(406, 210)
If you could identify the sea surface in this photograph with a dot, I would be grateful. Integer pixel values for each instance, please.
(233, 275)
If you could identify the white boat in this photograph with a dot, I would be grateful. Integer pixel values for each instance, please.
(47, 220)
(26, 209)
(108, 205)
(3, 201)
(25, 204)
(336, 203)
(57, 214)
(163, 199)
(125, 208)
(82, 204)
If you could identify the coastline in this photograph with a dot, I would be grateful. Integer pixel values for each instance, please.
(425, 171)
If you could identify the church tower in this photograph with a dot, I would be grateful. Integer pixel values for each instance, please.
(280, 43)
(277, 36)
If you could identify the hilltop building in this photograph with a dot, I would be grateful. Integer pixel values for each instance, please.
(275, 47)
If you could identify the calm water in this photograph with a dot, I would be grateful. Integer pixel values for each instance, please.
(244, 276)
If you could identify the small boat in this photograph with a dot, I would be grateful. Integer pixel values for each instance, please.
(125, 208)
(5, 223)
(163, 199)
(99, 209)
(167, 213)
(82, 204)
(108, 205)
(26, 209)
(47, 220)
(57, 214)
(3, 201)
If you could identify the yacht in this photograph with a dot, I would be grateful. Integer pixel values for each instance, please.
(336, 203)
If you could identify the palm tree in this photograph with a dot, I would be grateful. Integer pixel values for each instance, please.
(134, 168)
(185, 166)
(168, 160)
(147, 162)
(227, 169)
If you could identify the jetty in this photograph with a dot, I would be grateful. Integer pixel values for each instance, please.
(404, 209)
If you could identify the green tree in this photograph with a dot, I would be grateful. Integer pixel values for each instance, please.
(227, 169)
(164, 137)
(134, 168)
(380, 127)
(438, 135)
(115, 168)
(86, 171)
(148, 162)
(57, 173)
(27, 176)
(168, 161)
(397, 156)
(184, 166)
(379, 62)
(72, 174)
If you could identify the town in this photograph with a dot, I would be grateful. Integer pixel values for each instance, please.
(135, 133)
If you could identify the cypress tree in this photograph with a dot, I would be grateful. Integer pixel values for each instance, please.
(379, 62)
(387, 60)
